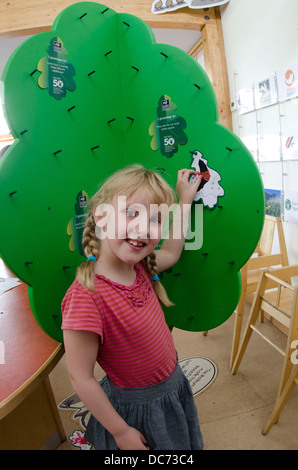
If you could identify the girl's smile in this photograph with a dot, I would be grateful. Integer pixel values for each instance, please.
(135, 244)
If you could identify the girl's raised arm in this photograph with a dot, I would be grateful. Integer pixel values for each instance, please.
(172, 247)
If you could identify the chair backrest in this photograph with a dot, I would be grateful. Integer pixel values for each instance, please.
(264, 258)
(282, 307)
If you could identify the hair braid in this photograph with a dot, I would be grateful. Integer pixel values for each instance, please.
(157, 285)
(85, 272)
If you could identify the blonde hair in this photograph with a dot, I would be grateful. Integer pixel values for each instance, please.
(124, 182)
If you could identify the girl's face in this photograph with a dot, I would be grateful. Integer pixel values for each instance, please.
(131, 227)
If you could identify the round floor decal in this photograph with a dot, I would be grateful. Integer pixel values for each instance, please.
(200, 372)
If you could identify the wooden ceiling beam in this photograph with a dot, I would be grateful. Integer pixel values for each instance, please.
(24, 18)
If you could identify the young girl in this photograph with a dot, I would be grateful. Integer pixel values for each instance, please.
(112, 315)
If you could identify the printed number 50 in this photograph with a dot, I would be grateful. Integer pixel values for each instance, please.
(169, 141)
(58, 83)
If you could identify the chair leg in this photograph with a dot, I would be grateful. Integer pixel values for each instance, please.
(254, 312)
(281, 401)
(292, 338)
(237, 327)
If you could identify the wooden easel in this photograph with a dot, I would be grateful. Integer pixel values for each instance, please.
(250, 273)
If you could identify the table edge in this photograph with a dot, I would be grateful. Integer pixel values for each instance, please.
(13, 400)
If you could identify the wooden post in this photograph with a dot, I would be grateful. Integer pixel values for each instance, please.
(216, 67)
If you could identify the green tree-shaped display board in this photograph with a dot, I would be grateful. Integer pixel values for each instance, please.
(97, 93)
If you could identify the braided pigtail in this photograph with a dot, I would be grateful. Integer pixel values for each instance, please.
(85, 272)
(157, 285)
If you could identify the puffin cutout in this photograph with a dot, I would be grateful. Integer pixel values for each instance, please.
(209, 189)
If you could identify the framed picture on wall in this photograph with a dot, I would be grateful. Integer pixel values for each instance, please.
(265, 92)
(273, 202)
(287, 83)
(291, 206)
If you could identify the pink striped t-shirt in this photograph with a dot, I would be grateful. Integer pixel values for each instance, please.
(136, 347)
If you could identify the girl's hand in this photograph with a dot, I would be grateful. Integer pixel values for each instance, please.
(131, 439)
(185, 190)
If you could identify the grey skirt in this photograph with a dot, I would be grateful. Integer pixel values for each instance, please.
(164, 413)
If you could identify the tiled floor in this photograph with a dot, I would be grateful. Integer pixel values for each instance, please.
(234, 409)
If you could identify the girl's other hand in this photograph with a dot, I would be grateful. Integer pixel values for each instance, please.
(131, 439)
(186, 191)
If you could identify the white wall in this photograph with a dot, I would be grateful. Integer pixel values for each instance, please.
(7, 46)
(261, 38)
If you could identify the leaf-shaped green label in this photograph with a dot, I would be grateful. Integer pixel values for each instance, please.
(56, 71)
(167, 129)
(75, 227)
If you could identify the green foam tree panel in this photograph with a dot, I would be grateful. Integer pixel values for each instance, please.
(97, 93)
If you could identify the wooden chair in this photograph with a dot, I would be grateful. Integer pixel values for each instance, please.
(250, 273)
(281, 304)
(282, 400)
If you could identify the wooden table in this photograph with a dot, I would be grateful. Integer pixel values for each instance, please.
(29, 418)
